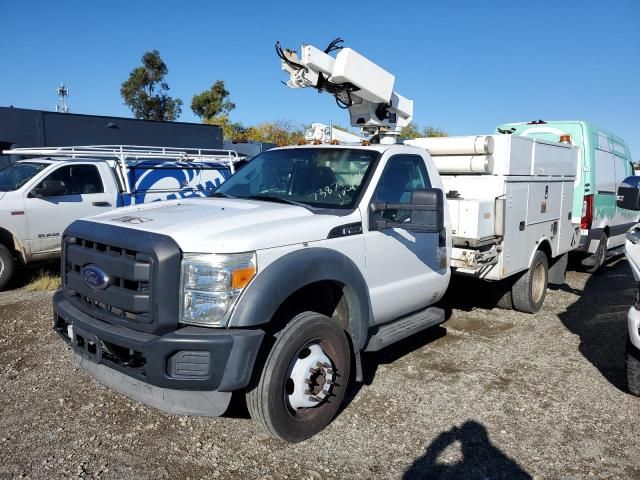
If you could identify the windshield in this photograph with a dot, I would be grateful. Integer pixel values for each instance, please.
(318, 177)
(16, 175)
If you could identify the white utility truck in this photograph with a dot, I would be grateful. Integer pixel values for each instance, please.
(51, 187)
(308, 256)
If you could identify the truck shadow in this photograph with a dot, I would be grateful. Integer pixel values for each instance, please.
(467, 294)
(478, 458)
(599, 318)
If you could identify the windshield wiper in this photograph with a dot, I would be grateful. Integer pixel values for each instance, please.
(274, 199)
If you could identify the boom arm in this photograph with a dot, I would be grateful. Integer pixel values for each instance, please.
(357, 84)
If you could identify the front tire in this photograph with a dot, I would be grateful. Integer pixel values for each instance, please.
(529, 291)
(303, 380)
(7, 266)
(633, 369)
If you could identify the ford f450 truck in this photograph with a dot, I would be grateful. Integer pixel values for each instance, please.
(307, 257)
(41, 195)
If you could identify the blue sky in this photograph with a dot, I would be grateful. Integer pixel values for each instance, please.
(468, 65)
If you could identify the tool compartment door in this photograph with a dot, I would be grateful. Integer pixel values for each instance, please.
(515, 248)
(544, 202)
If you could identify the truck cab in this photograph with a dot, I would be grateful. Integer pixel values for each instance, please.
(273, 286)
(605, 161)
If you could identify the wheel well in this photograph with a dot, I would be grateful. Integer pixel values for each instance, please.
(9, 241)
(606, 231)
(545, 247)
(326, 297)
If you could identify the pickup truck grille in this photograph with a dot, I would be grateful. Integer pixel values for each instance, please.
(133, 261)
(128, 295)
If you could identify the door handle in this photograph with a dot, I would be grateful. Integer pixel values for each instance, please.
(101, 204)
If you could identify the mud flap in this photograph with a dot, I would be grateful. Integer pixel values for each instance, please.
(558, 269)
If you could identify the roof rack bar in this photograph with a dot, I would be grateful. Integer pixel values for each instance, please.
(134, 152)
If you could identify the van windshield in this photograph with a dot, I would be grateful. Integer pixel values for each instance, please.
(318, 177)
(15, 176)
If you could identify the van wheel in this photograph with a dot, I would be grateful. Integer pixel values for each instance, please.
(303, 380)
(7, 266)
(633, 369)
(600, 255)
(529, 291)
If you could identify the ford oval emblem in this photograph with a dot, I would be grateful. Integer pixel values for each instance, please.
(94, 276)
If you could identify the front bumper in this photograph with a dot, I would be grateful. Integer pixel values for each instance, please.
(633, 322)
(191, 370)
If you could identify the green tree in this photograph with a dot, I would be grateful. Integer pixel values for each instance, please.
(145, 91)
(414, 131)
(212, 103)
(235, 131)
(280, 132)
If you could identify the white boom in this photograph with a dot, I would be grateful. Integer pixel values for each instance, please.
(358, 84)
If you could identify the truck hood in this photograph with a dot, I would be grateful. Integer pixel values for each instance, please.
(221, 225)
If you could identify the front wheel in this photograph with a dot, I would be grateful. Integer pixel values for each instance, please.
(529, 291)
(7, 266)
(303, 380)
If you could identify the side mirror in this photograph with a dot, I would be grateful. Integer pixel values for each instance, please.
(629, 194)
(426, 208)
(49, 188)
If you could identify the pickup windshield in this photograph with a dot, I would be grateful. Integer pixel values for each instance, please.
(15, 176)
(318, 177)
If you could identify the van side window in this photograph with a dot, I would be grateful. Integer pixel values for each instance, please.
(605, 172)
(78, 179)
(402, 175)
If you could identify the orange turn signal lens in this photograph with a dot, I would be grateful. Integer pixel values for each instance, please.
(241, 277)
(565, 138)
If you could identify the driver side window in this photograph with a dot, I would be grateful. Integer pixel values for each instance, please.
(402, 175)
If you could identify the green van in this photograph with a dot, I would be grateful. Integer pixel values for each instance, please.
(605, 162)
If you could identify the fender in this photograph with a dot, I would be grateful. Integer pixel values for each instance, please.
(541, 241)
(295, 270)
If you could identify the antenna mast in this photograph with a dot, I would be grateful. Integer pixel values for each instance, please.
(63, 93)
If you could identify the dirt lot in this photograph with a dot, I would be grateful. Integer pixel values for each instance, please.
(490, 394)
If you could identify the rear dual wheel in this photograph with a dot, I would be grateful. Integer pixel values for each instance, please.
(303, 380)
(529, 291)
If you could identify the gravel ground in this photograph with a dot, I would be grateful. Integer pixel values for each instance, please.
(490, 394)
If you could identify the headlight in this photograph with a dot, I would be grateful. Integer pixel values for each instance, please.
(211, 284)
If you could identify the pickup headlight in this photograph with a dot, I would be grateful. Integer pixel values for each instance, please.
(211, 284)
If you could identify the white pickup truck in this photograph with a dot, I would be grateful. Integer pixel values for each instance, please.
(42, 195)
(305, 258)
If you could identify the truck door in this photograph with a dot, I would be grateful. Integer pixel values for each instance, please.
(84, 195)
(401, 266)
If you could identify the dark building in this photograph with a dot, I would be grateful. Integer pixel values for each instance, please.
(20, 127)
